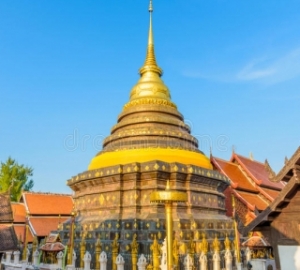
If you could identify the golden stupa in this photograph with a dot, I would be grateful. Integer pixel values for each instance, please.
(150, 127)
(149, 145)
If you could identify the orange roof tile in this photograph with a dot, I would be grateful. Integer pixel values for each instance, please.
(234, 173)
(253, 199)
(20, 232)
(19, 212)
(272, 193)
(42, 226)
(48, 204)
(257, 171)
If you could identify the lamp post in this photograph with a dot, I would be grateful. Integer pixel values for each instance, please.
(168, 197)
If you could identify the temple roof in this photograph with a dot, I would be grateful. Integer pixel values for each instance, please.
(43, 212)
(256, 170)
(19, 212)
(254, 199)
(20, 232)
(250, 183)
(8, 239)
(47, 204)
(239, 179)
(43, 225)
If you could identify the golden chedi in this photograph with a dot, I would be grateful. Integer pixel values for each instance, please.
(149, 145)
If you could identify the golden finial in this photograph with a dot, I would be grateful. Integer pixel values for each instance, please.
(150, 63)
(227, 243)
(216, 244)
(150, 81)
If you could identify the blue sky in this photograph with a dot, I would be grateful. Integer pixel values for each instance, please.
(67, 67)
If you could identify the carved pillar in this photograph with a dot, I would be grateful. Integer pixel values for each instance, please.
(17, 257)
(120, 262)
(82, 251)
(87, 261)
(36, 256)
(216, 257)
(228, 260)
(103, 260)
(8, 257)
(188, 263)
(142, 263)
(203, 261)
(71, 241)
(59, 258)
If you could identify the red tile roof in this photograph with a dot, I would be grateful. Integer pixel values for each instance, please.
(42, 226)
(233, 172)
(48, 204)
(272, 193)
(19, 212)
(254, 199)
(256, 171)
(20, 232)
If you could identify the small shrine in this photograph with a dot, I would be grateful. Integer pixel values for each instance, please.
(51, 249)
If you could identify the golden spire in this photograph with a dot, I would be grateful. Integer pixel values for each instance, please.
(150, 62)
(150, 83)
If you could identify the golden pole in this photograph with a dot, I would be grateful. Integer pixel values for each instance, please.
(168, 197)
(24, 255)
(72, 232)
(82, 250)
(169, 222)
(237, 238)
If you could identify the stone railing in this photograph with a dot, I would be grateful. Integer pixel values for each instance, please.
(217, 260)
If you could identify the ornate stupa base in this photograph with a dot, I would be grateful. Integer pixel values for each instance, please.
(116, 201)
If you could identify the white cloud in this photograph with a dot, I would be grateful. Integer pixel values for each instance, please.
(272, 71)
(263, 70)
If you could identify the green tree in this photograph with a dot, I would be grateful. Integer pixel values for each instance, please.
(14, 177)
